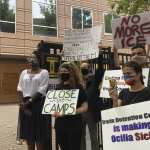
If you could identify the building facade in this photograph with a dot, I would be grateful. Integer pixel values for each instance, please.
(24, 23)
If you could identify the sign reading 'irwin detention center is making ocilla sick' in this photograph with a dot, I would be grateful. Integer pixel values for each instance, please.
(127, 127)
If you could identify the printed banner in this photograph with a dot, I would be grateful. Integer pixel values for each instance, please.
(82, 44)
(62, 101)
(118, 76)
(130, 30)
(127, 127)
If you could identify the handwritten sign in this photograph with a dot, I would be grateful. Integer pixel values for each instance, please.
(118, 76)
(81, 44)
(62, 101)
(127, 127)
(131, 30)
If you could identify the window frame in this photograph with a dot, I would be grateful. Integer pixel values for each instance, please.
(48, 27)
(104, 14)
(15, 2)
(82, 8)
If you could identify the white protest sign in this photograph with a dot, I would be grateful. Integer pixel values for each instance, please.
(130, 30)
(81, 44)
(127, 127)
(62, 101)
(118, 76)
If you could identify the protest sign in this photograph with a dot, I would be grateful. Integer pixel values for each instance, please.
(118, 76)
(62, 101)
(81, 44)
(130, 30)
(127, 127)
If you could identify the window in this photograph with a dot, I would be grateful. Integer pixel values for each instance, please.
(107, 20)
(81, 18)
(44, 17)
(7, 16)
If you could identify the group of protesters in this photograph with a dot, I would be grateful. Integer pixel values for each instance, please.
(71, 129)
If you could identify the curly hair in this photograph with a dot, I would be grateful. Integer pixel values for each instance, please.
(75, 75)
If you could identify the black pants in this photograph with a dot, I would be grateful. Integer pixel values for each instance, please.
(69, 140)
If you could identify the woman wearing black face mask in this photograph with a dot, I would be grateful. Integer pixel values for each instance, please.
(136, 92)
(84, 71)
(32, 86)
(69, 127)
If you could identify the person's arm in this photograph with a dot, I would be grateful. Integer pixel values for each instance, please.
(116, 58)
(20, 97)
(83, 108)
(44, 81)
(19, 88)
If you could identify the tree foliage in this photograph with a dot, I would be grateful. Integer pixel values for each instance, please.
(49, 13)
(130, 7)
(6, 13)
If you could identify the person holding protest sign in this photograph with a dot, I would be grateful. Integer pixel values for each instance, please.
(69, 127)
(32, 87)
(92, 116)
(136, 92)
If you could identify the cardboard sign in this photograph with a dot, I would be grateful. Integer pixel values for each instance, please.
(130, 30)
(81, 44)
(118, 76)
(127, 127)
(62, 101)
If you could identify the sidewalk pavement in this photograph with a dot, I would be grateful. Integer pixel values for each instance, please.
(8, 126)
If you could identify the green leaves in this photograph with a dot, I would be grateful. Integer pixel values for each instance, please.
(130, 7)
(6, 12)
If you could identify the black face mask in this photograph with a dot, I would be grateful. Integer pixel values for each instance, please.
(35, 64)
(64, 76)
(84, 71)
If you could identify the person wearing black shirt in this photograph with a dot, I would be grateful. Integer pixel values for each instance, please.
(69, 127)
(136, 92)
(92, 116)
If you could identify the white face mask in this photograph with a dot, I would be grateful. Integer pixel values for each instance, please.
(140, 59)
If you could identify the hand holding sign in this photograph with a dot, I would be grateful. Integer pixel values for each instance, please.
(57, 114)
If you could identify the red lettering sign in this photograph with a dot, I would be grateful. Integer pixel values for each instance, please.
(131, 30)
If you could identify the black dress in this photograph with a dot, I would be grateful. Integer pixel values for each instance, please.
(69, 127)
(34, 126)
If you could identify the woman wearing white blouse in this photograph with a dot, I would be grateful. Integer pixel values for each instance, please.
(32, 87)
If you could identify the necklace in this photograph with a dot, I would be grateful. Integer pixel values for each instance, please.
(31, 76)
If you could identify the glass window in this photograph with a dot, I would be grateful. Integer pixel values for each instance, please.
(46, 1)
(81, 18)
(7, 16)
(44, 17)
(77, 19)
(107, 20)
(87, 19)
